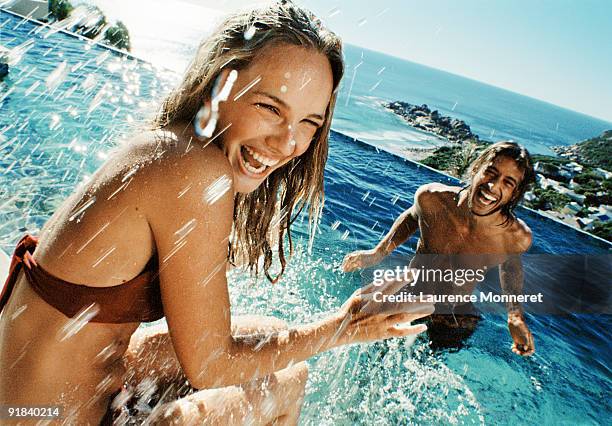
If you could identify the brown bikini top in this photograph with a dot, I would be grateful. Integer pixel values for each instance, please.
(138, 300)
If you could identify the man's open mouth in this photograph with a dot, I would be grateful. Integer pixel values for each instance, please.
(486, 198)
(255, 162)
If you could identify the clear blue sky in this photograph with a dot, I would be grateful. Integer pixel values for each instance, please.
(559, 51)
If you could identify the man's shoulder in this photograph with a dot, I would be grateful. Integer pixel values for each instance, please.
(520, 236)
(435, 192)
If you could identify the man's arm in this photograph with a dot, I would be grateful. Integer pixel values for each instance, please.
(511, 279)
(403, 227)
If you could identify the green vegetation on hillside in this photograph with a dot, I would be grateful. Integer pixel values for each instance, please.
(455, 159)
(548, 199)
(118, 36)
(95, 23)
(602, 229)
(60, 9)
(597, 152)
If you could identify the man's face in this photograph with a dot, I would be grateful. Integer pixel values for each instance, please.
(494, 185)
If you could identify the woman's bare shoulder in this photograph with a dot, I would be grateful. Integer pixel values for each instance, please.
(168, 159)
(177, 172)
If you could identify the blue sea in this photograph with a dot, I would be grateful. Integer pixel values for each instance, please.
(66, 104)
(492, 113)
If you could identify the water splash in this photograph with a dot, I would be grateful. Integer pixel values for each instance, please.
(375, 86)
(218, 95)
(217, 189)
(250, 32)
(104, 256)
(185, 230)
(81, 210)
(18, 312)
(247, 87)
(98, 232)
(333, 12)
(80, 320)
(57, 76)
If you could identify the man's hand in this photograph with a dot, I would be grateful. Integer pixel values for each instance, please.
(360, 259)
(522, 337)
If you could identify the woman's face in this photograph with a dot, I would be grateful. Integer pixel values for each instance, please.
(276, 118)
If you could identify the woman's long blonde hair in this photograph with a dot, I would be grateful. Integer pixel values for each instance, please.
(233, 45)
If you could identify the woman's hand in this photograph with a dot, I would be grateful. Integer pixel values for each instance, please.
(361, 259)
(365, 318)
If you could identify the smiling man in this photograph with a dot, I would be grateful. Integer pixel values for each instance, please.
(467, 228)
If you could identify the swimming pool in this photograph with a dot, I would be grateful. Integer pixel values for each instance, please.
(67, 103)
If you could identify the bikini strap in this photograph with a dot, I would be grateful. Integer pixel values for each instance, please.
(21, 256)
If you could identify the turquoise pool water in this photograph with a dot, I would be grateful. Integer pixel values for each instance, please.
(66, 104)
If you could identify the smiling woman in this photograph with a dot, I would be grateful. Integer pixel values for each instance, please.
(234, 151)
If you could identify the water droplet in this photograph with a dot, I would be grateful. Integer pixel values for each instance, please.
(217, 189)
(185, 230)
(81, 209)
(333, 12)
(80, 320)
(55, 122)
(250, 32)
(18, 312)
(57, 76)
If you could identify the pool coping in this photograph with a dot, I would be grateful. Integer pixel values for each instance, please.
(416, 163)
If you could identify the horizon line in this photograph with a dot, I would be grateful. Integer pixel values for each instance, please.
(605, 120)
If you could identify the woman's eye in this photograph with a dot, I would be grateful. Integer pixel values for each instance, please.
(312, 123)
(269, 107)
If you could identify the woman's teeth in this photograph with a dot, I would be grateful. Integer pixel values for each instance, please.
(256, 163)
(262, 159)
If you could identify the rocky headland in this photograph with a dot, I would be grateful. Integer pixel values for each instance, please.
(423, 118)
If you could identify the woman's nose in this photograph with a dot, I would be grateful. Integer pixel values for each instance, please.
(283, 141)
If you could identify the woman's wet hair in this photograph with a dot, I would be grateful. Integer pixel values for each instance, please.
(234, 45)
(522, 158)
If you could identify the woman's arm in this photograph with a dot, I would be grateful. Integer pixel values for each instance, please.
(191, 235)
